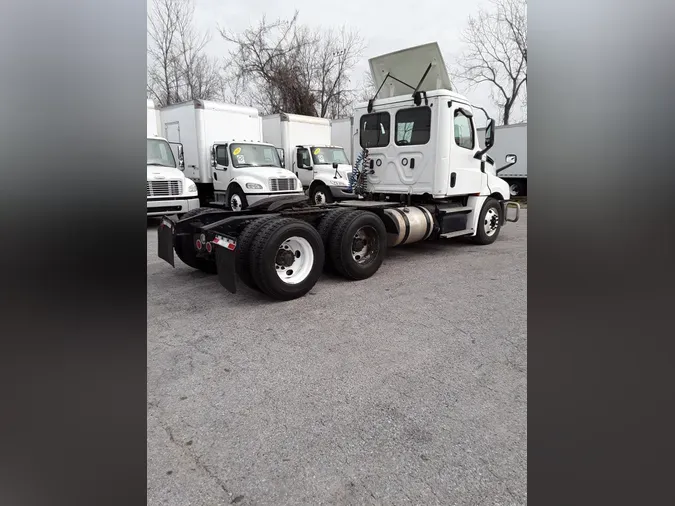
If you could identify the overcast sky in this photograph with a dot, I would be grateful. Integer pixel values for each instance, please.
(385, 26)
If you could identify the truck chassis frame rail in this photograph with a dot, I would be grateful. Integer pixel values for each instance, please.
(280, 245)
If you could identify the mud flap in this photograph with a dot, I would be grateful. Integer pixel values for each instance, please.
(165, 241)
(225, 267)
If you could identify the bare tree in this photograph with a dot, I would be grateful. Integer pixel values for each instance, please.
(179, 69)
(282, 66)
(497, 53)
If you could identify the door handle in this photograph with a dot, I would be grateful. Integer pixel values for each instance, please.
(215, 176)
(372, 163)
(412, 163)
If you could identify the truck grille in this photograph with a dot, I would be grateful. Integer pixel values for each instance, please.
(164, 188)
(282, 184)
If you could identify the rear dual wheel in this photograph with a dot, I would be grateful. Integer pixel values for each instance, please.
(281, 257)
(355, 242)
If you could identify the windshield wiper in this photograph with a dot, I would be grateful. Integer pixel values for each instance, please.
(161, 165)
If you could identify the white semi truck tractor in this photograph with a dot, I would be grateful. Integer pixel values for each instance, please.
(168, 190)
(305, 145)
(421, 175)
(225, 154)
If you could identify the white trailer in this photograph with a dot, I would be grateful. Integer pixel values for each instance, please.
(342, 134)
(168, 190)
(225, 154)
(305, 145)
(511, 139)
(153, 119)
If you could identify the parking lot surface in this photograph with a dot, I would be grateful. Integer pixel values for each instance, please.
(405, 388)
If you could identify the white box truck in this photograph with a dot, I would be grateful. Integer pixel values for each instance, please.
(168, 190)
(342, 134)
(511, 139)
(224, 153)
(307, 151)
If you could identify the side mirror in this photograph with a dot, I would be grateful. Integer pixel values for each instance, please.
(490, 135)
(335, 165)
(181, 158)
(213, 157)
(510, 159)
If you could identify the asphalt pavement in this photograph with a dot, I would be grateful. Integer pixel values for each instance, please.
(406, 388)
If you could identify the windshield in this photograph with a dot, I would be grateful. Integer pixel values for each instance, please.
(254, 155)
(329, 156)
(159, 153)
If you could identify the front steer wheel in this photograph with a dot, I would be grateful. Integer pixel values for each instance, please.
(489, 222)
(320, 194)
(286, 258)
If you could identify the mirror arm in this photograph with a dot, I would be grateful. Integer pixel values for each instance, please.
(504, 167)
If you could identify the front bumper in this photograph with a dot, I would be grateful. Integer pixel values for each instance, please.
(342, 192)
(506, 204)
(177, 206)
(252, 198)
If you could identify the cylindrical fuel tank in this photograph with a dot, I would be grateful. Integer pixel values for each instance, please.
(413, 224)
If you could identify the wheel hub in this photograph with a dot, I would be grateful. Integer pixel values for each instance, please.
(285, 258)
(364, 245)
(491, 222)
(294, 260)
(235, 203)
(319, 198)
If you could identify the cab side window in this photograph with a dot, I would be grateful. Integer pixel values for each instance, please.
(303, 158)
(464, 132)
(221, 155)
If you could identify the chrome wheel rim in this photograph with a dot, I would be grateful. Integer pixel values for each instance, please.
(294, 260)
(319, 197)
(365, 245)
(491, 222)
(235, 202)
(513, 188)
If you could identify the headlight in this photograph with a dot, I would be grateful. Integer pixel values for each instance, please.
(192, 188)
(254, 186)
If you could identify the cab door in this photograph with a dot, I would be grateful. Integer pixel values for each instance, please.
(303, 167)
(464, 175)
(220, 170)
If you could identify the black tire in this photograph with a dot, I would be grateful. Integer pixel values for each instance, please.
(191, 214)
(236, 191)
(517, 188)
(323, 190)
(342, 240)
(325, 227)
(482, 236)
(264, 255)
(243, 250)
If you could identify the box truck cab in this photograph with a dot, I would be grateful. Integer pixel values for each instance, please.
(323, 170)
(304, 144)
(246, 172)
(204, 126)
(168, 190)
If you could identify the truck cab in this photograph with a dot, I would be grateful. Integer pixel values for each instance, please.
(419, 137)
(324, 171)
(168, 190)
(246, 172)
